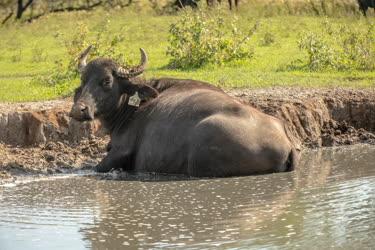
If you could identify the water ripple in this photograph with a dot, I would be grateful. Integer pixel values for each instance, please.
(329, 202)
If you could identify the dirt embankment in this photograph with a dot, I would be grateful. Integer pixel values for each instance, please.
(319, 117)
(40, 138)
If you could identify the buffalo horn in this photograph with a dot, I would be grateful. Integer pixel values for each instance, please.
(82, 59)
(136, 70)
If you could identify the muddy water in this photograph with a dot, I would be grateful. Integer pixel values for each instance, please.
(328, 202)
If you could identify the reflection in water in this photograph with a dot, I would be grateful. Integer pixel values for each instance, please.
(328, 201)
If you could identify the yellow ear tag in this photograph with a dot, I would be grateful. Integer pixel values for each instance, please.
(134, 100)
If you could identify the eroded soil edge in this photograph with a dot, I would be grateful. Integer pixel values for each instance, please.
(40, 138)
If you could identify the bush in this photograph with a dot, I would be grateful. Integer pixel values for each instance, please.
(341, 48)
(268, 39)
(302, 7)
(358, 48)
(104, 43)
(321, 55)
(66, 71)
(199, 38)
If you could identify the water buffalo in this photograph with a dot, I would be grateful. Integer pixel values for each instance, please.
(231, 2)
(193, 3)
(365, 4)
(183, 3)
(181, 126)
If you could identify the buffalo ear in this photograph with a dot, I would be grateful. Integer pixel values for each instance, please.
(127, 87)
(146, 92)
(143, 94)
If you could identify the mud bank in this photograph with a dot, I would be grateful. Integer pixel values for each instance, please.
(319, 117)
(40, 138)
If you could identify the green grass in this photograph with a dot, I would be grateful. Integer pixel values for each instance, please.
(150, 31)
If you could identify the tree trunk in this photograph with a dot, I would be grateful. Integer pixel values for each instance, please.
(21, 9)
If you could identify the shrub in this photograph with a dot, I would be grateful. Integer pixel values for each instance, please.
(303, 7)
(104, 43)
(340, 48)
(320, 54)
(66, 71)
(199, 38)
(268, 39)
(358, 48)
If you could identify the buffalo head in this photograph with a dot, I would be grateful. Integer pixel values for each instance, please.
(106, 86)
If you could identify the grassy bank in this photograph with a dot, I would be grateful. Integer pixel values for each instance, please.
(31, 50)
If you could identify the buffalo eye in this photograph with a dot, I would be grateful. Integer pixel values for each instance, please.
(107, 83)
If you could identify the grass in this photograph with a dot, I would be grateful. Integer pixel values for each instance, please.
(20, 43)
